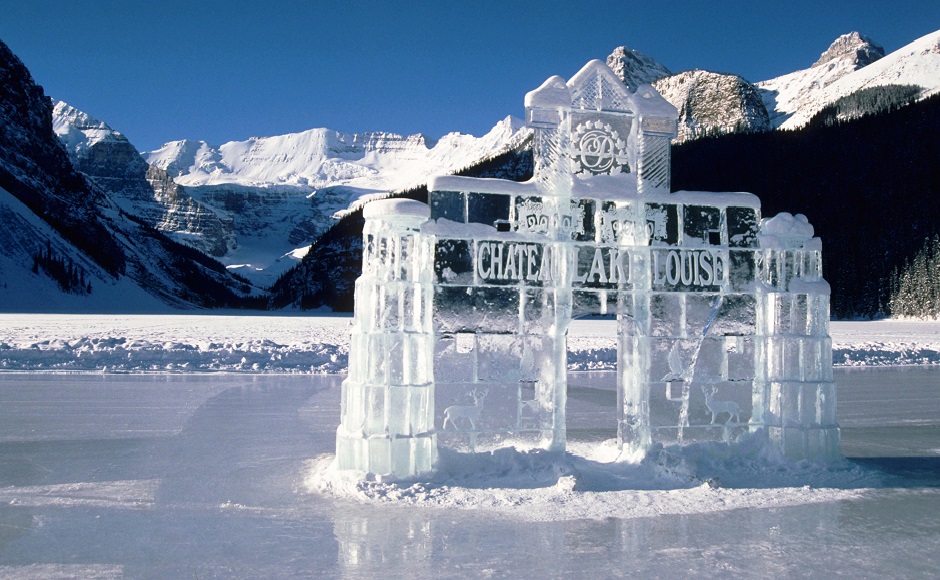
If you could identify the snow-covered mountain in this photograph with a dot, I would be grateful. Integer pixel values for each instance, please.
(852, 63)
(320, 158)
(65, 242)
(256, 205)
(635, 68)
(282, 192)
(109, 160)
(708, 103)
(713, 103)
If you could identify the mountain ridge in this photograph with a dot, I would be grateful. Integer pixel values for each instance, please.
(64, 236)
(257, 204)
(793, 99)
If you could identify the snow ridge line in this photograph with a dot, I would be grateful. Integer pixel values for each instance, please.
(122, 355)
(119, 354)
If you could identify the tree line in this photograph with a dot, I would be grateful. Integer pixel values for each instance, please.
(869, 186)
(69, 276)
(915, 286)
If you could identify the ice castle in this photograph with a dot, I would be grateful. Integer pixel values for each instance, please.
(463, 305)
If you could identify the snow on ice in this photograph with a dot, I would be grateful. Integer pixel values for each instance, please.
(320, 344)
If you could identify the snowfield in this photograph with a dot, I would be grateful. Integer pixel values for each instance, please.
(320, 344)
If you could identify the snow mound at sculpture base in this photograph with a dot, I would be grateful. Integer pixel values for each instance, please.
(596, 482)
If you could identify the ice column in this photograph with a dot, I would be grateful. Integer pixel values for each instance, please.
(655, 129)
(386, 418)
(548, 111)
(794, 393)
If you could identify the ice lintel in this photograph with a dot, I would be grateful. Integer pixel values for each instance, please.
(619, 187)
(552, 93)
(481, 185)
(717, 199)
(390, 208)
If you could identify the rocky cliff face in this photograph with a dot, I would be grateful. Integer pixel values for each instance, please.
(111, 162)
(708, 103)
(37, 172)
(712, 103)
(852, 48)
(635, 68)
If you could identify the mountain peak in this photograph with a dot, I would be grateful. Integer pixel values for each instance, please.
(712, 103)
(79, 131)
(854, 47)
(635, 68)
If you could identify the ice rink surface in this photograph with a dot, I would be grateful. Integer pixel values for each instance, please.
(226, 475)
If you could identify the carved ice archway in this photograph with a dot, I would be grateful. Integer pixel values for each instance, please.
(719, 319)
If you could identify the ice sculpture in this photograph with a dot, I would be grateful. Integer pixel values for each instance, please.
(463, 305)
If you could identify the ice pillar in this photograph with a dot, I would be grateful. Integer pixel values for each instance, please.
(794, 393)
(548, 112)
(386, 418)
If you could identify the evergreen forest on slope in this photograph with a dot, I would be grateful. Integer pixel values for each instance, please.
(868, 186)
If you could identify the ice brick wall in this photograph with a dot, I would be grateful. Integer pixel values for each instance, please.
(686, 347)
(679, 271)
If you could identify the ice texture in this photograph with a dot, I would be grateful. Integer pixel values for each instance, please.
(463, 307)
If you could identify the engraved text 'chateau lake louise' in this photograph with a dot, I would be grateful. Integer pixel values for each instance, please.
(530, 262)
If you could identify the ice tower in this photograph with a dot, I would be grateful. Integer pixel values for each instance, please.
(463, 305)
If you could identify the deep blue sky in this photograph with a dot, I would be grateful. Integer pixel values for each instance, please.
(228, 70)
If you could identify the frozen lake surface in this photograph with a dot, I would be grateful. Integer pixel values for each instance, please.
(221, 475)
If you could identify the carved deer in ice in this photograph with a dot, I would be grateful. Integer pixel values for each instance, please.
(718, 407)
(469, 412)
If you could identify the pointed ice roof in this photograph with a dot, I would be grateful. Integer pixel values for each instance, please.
(596, 87)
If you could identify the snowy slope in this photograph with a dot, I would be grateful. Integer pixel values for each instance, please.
(65, 226)
(22, 290)
(793, 99)
(78, 131)
(282, 192)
